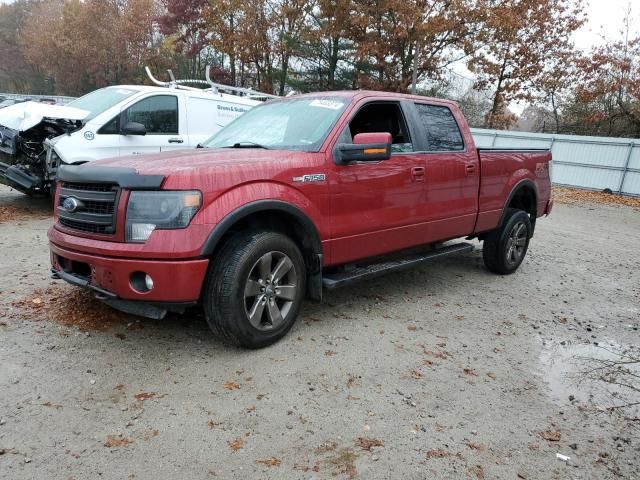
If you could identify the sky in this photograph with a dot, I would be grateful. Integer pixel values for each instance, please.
(605, 17)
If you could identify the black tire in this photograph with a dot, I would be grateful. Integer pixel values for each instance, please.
(499, 253)
(252, 322)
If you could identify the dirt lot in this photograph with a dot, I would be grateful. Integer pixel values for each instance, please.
(442, 372)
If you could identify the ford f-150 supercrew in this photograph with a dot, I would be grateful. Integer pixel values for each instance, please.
(299, 194)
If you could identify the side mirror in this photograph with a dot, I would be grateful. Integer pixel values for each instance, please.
(366, 147)
(133, 128)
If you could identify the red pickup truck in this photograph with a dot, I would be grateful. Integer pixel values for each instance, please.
(303, 193)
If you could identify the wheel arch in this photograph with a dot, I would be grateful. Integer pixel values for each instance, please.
(278, 216)
(523, 196)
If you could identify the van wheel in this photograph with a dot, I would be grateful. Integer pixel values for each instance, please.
(254, 289)
(505, 247)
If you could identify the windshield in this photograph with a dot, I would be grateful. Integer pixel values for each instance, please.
(296, 124)
(100, 100)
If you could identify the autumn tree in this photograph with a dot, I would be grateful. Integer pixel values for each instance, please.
(326, 46)
(16, 74)
(517, 38)
(392, 37)
(93, 43)
(608, 92)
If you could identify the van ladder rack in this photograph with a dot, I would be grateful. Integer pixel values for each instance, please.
(213, 86)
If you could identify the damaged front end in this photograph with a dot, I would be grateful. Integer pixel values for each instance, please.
(25, 163)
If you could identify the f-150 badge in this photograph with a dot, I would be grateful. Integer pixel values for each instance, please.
(314, 177)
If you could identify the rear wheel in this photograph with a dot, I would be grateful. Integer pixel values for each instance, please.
(254, 289)
(504, 248)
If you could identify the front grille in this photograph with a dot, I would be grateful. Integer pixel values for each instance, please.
(89, 187)
(85, 227)
(88, 207)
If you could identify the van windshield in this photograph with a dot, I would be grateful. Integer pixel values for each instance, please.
(98, 101)
(288, 124)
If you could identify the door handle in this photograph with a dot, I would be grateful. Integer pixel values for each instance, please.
(417, 174)
(176, 140)
(470, 168)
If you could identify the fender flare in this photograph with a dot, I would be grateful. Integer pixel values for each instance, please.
(516, 188)
(259, 206)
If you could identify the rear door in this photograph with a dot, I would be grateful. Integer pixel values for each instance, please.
(162, 117)
(452, 171)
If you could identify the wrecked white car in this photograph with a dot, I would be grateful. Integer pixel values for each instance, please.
(23, 129)
(35, 139)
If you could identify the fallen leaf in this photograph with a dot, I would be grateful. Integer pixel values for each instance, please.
(576, 196)
(212, 424)
(327, 446)
(412, 328)
(476, 446)
(143, 396)
(270, 462)
(479, 471)
(551, 436)
(113, 441)
(232, 386)
(329, 353)
(236, 444)
(437, 453)
(306, 468)
(52, 405)
(351, 380)
(470, 371)
(368, 443)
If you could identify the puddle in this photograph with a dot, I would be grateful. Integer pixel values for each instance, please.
(599, 376)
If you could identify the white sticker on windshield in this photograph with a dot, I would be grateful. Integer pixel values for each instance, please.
(331, 104)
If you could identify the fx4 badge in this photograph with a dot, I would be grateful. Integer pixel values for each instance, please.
(314, 177)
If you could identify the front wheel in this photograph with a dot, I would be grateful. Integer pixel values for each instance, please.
(505, 247)
(254, 289)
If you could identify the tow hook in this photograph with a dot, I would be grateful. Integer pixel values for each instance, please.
(54, 275)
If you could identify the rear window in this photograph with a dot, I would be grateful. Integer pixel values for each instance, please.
(440, 127)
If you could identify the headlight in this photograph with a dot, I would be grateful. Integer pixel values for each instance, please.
(160, 210)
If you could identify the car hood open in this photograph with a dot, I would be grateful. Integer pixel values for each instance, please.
(23, 116)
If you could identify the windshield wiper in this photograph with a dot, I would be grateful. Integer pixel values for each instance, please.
(246, 144)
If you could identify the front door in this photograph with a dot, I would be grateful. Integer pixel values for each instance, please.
(378, 206)
(160, 115)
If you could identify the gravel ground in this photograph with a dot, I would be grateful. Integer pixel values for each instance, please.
(446, 371)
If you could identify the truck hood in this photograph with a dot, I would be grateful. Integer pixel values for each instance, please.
(23, 116)
(202, 160)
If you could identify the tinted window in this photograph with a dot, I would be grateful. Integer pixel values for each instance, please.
(158, 114)
(112, 127)
(440, 127)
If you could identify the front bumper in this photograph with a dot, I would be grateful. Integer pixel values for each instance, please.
(175, 283)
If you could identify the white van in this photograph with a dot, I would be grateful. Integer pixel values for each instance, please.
(110, 122)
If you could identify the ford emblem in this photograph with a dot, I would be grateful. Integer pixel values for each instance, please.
(70, 204)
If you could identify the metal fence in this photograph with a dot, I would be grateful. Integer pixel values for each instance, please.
(59, 99)
(594, 163)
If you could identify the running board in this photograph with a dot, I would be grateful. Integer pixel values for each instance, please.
(332, 281)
